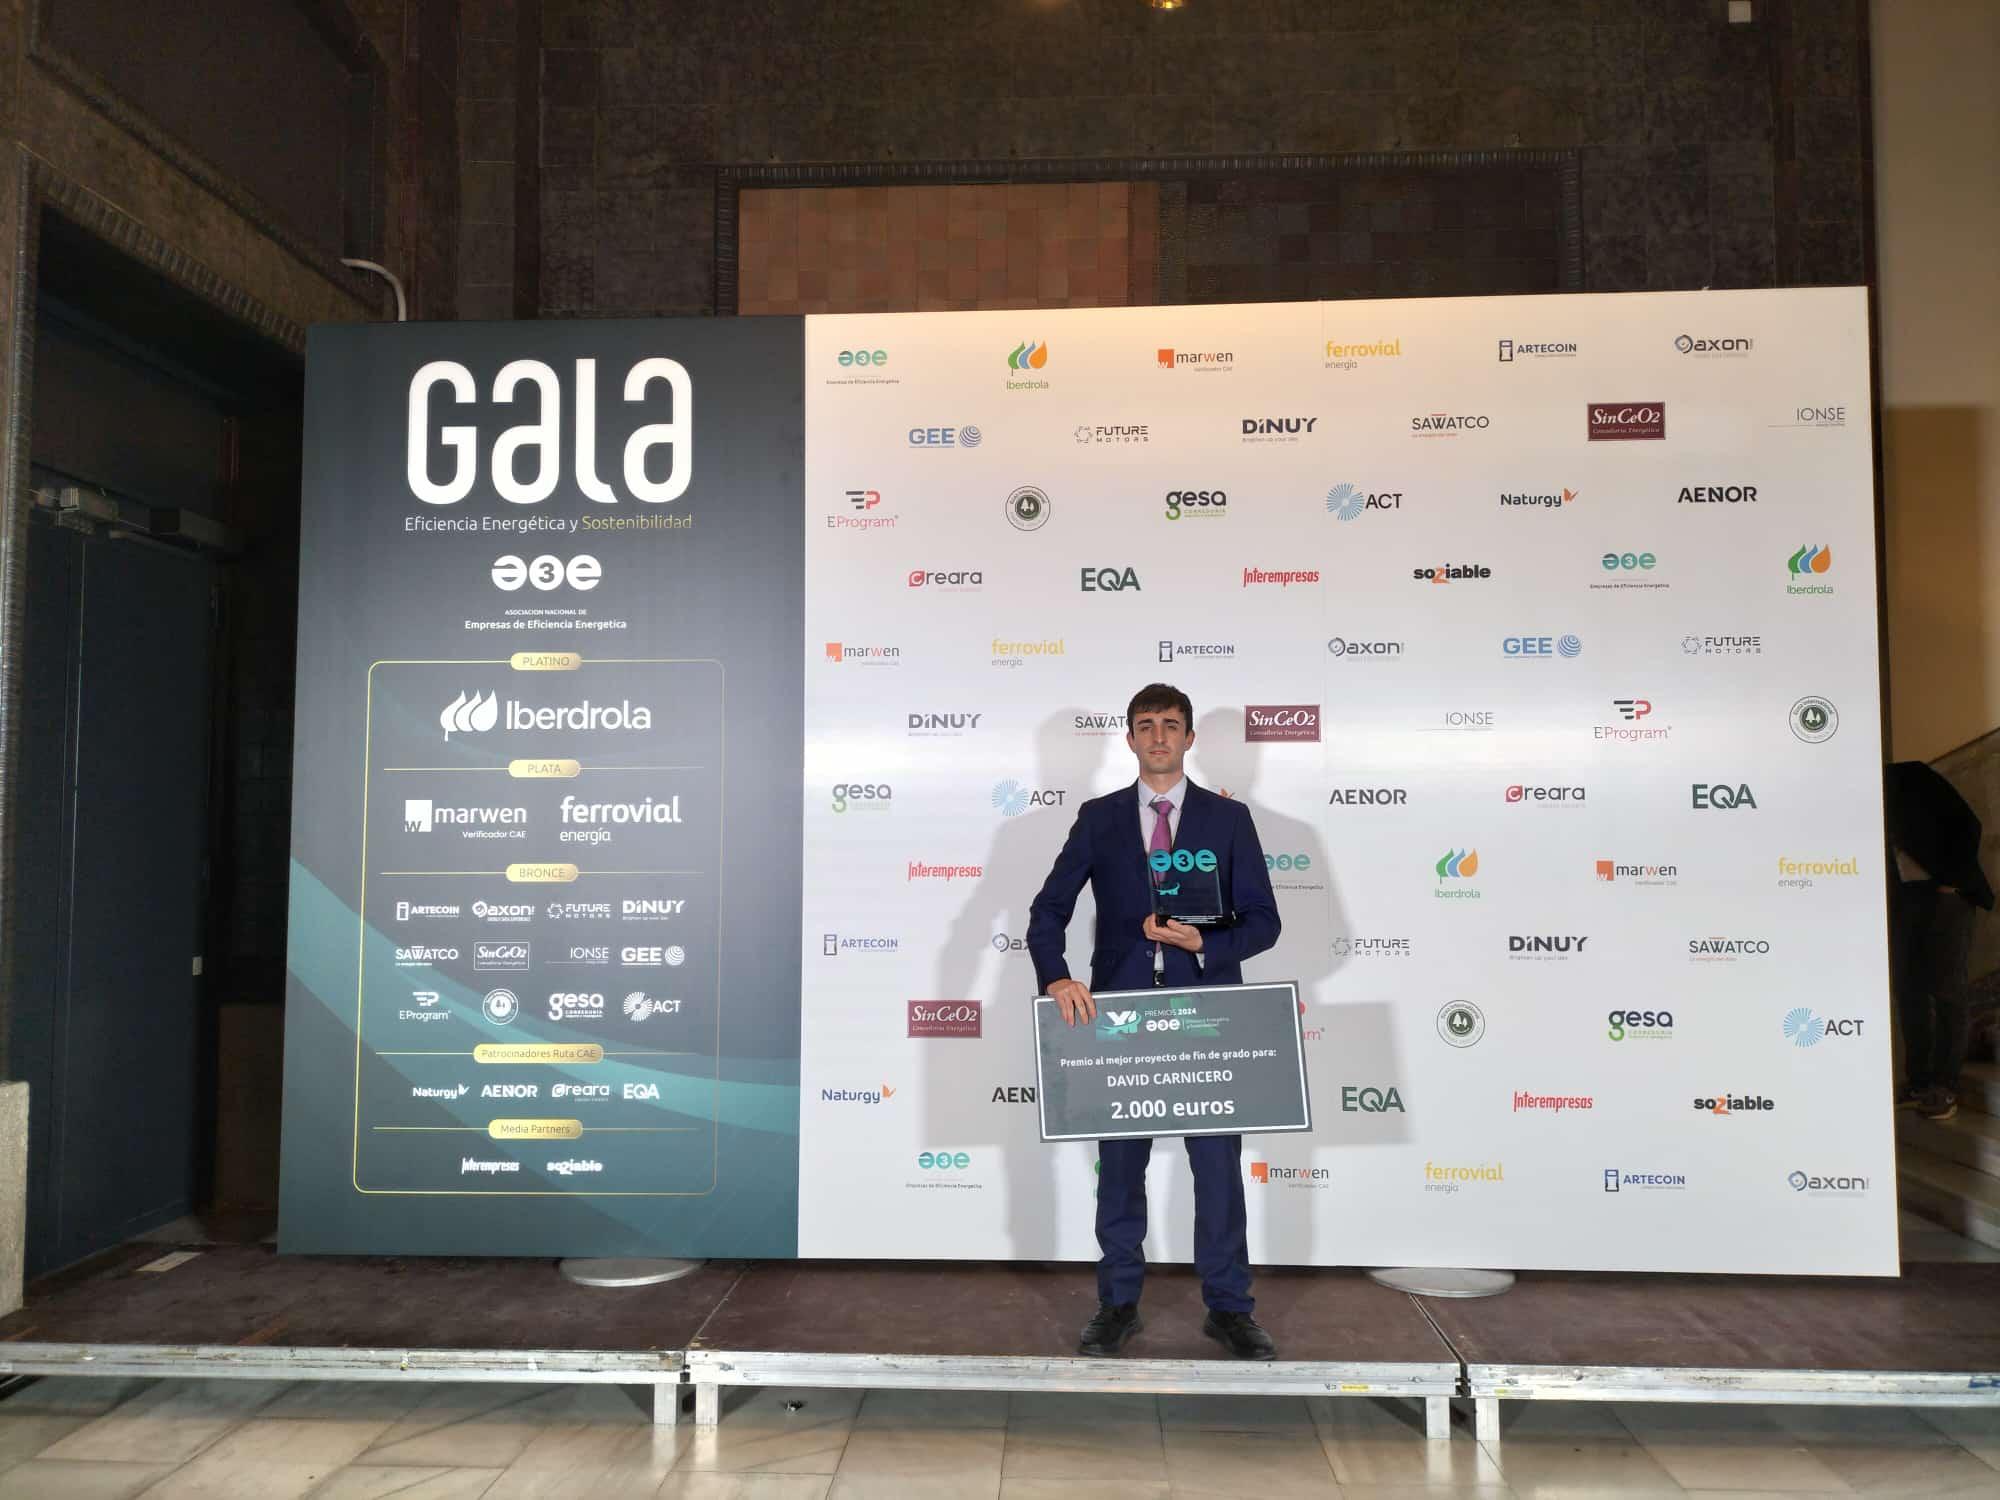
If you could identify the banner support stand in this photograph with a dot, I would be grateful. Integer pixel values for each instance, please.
(627, 1270)
(1442, 1281)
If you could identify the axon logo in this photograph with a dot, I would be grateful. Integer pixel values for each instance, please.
(1715, 348)
(1829, 1184)
(1720, 796)
(1351, 648)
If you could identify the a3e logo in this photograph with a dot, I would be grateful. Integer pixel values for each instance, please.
(850, 357)
(581, 572)
(1183, 860)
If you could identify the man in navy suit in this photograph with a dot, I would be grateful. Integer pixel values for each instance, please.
(1109, 846)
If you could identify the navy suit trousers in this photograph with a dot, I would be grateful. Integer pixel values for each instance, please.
(1221, 1224)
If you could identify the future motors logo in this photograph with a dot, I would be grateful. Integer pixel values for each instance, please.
(1805, 565)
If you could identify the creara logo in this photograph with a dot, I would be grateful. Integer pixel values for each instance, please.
(1030, 356)
(1462, 865)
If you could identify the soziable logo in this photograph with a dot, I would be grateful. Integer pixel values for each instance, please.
(1347, 502)
(1450, 572)
(1805, 565)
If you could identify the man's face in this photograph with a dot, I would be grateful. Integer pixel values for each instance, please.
(1160, 738)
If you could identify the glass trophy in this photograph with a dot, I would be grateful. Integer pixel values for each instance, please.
(1187, 887)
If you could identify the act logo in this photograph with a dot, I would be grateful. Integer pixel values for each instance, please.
(1028, 508)
(1010, 798)
(1346, 502)
(1461, 1023)
(1107, 580)
(1368, 1100)
(1804, 566)
(1720, 796)
(1803, 1028)
(1814, 720)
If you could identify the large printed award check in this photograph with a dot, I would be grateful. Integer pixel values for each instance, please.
(1223, 1061)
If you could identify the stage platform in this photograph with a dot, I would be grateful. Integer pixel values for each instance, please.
(1930, 1338)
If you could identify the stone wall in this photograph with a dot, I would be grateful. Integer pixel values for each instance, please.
(1713, 154)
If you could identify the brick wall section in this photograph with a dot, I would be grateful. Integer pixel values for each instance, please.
(486, 30)
(925, 249)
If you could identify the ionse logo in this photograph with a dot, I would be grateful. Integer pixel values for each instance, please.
(1469, 721)
(1714, 348)
(1347, 502)
(1720, 796)
(1804, 566)
(1214, 362)
(1461, 1023)
(864, 796)
(1277, 429)
(1814, 720)
(1339, 356)
(1627, 421)
(1281, 721)
(1011, 798)
(1197, 505)
(1815, 416)
(1028, 508)
(1549, 500)
(944, 437)
(1451, 573)
(1640, 1025)
(1802, 1027)
(1447, 424)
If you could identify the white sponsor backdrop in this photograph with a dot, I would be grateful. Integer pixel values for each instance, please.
(1635, 634)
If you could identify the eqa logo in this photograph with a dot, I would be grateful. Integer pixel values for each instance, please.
(1722, 797)
(1011, 799)
(1461, 1023)
(1814, 720)
(1804, 1029)
(1344, 502)
(1805, 565)
(1107, 580)
(1369, 1100)
(1028, 508)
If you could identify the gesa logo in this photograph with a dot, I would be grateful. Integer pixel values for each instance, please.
(542, 438)
(1202, 502)
(1722, 796)
(1107, 580)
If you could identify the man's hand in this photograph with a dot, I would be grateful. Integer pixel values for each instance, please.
(1073, 1000)
(1173, 934)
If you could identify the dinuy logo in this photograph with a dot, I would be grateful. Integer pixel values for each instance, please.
(474, 715)
(1804, 566)
(1347, 502)
(1277, 429)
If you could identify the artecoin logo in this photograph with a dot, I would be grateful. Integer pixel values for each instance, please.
(1805, 565)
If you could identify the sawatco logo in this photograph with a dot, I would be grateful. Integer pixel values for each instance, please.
(1219, 361)
(1627, 421)
(476, 714)
(944, 437)
(1283, 579)
(1548, 500)
(1107, 580)
(1803, 1028)
(1734, 1104)
(1726, 950)
(1277, 429)
(1720, 796)
(542, 437)
(1640, 1025)
(1446, 1179)
(417, 954)
(1369, 1100)
(1461, 1023)
(1805, 565)
(1340, 356)
(1447, 424)
(1281, 721)
(1010, 798)
(1451, 573)
(1098, 724)
(943, 1017)
(868, 796)
(1026, 359)
(1206, 505)
(1540, 647)
(1346, 502)
(870, 656)
(1610, 872)
(1729, 348)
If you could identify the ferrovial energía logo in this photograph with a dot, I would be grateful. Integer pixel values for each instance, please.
(1339, 356)
(1348, 502)
(1461, 1023)
(1804, 1027)
(1640, 1025)
(1442, 1178)
(598, 822)
(1018, 653)
(1803, 874)
(1627, 421)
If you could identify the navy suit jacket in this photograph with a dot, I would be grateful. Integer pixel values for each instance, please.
(1104, 848)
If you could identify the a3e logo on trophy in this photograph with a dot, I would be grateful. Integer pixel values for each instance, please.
(582, 573)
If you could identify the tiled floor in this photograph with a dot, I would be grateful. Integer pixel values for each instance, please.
(72, 1439)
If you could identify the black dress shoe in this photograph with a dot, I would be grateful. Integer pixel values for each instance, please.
(1107, 1333)
(1240, 1335)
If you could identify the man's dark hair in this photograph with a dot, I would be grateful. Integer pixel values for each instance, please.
(1154, 697)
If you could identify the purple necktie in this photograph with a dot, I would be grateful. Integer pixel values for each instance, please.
(1163, 839)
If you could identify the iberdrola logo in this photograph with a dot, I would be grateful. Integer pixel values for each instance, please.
(1460, 864)
(1028, 357)
(1804, 566)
